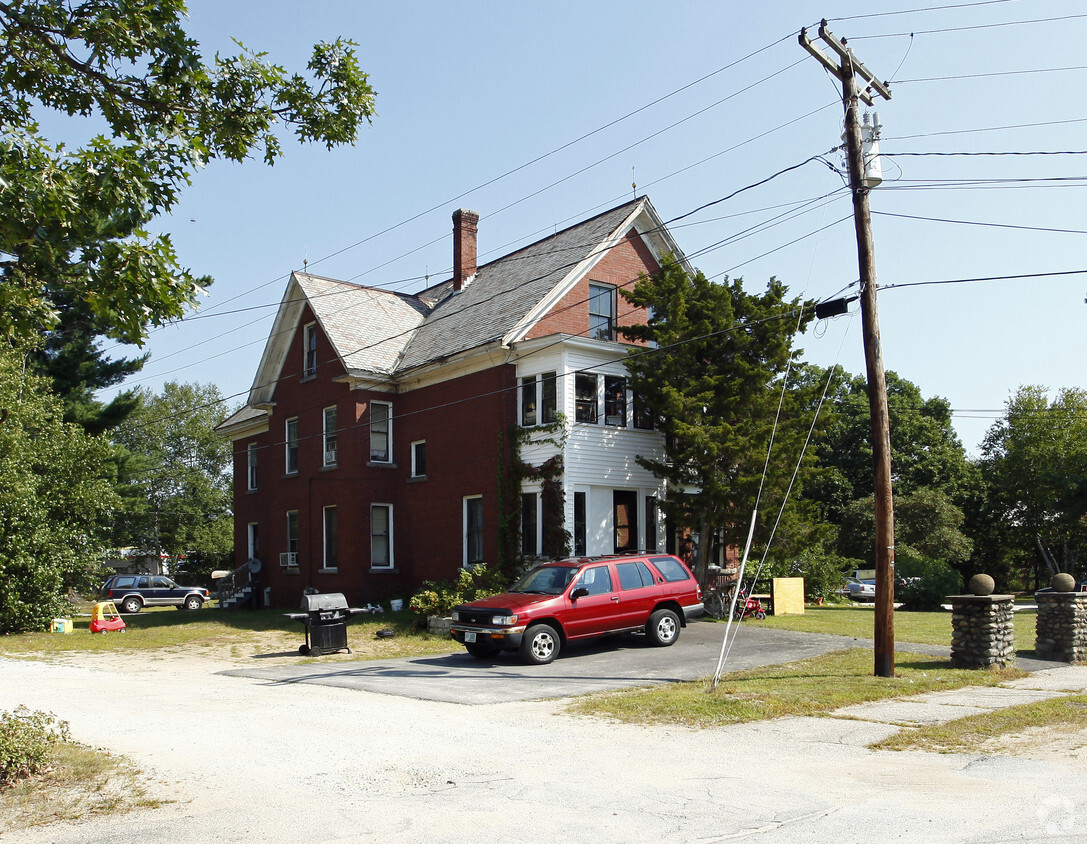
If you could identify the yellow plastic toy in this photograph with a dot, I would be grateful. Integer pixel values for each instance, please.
(104, 617)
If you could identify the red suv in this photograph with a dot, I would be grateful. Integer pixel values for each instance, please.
(577, 599)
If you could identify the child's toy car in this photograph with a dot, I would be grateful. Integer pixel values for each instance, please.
(104, 617)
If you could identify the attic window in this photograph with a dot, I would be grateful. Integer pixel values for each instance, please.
(601, 312)
(309, 359)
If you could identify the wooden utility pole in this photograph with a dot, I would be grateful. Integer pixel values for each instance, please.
(847, 68)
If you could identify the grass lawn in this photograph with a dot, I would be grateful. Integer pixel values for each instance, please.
(230, 634)
(922, 628)
(806, 687)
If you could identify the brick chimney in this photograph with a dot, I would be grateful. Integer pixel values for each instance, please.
(465, 227)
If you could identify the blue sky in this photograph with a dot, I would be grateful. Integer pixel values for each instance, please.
(539, 115)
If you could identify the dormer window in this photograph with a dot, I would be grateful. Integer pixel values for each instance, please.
(309, 359)
(601, 312)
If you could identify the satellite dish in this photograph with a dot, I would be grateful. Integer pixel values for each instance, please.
(254, 565)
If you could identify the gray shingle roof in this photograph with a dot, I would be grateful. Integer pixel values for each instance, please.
(504, 291)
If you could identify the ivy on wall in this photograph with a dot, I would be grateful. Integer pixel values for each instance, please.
(513, 473)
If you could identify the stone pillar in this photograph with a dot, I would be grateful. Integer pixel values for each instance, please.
(982, 631)
(1062, 626)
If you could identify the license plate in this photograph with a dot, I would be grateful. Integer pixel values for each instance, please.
(469, 636)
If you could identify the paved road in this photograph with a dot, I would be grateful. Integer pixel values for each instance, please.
(612, 663)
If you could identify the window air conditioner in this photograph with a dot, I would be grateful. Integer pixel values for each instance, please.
(288, 558)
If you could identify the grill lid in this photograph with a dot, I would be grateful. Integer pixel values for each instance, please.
(324, 602)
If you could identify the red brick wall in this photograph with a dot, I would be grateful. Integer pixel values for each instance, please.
(461, 422)
(621, 267)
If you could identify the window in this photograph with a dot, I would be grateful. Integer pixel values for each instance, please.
(650, 523)
(579, 524)
(254, 543)
(615, 400)
(670, 568)
(309, 358)
(539, 399)
(597, 580)
(251, 463)
(601, 312)
(473, 530)
(418, 459)
(291, 440)
(530, 544)
(292, 531)
(634, 575)
(381, 432)
(585, 397)
(528, 400)
(331, 529)
(549, 403)
(330, 436)
(643, 416)
(381, 534)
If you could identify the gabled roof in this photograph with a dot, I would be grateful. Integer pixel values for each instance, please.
(380, 334)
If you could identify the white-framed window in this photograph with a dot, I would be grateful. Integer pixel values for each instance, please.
(290, 440)
(309, 355)
(253, 540)
(330, 559)
(580, 523)
(585, 398)
(381, 432)
(615, 400)
(381, 536)
(601, 311)
(329, 430)
(650, 523)
(251, 466)
(530, 524)
(418, 459)
(473, 530)
(539, 399)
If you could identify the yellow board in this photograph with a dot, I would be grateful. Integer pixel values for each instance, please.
(788, 596)
(61, 625)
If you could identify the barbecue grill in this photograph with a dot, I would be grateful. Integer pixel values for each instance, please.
(325, 618)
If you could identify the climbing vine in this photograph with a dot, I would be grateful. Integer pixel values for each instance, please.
(513, 472)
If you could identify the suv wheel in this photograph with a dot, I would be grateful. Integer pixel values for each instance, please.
(193, 602)
(663, 628)
(131, 605)
(540, 644)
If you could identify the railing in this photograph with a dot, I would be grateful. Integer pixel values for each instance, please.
(232, 584)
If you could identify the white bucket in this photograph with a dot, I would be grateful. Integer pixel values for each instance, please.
(396, 605)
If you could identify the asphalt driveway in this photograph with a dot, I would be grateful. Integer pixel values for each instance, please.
(614, 662)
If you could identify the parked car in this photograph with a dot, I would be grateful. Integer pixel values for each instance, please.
(133, 592)
(860, 590)
(564, 601)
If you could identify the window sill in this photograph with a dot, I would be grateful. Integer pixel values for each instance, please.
(329, 467)
(309, 376)
(328, 571)
(376, 464)
(292, 570)
(252, 491)
(416, 478)
(289, 475)
(384, 571)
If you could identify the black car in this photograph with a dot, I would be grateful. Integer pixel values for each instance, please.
(133, 592)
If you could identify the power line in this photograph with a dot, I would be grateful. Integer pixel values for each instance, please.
(994, 73)
(980, 223)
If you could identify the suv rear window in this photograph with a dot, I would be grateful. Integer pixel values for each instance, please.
(672, 570)
(123, 582)
(634, 575)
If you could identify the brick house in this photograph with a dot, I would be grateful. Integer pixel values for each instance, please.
(392, 438)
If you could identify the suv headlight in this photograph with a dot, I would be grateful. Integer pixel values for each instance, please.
(456, 616)
(504, 620)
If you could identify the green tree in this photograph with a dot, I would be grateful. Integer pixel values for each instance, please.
(1034, 462)
(927, 524)
(54, 501)
(176, 476)
(713, 385)
(73, 222)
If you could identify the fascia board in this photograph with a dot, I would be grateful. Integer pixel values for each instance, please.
(279, 341)
(524, 325)
(469, 362)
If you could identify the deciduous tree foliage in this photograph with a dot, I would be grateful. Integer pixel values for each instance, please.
(1035, 465)
(55, 501)
(73, 223)
(176, 477)
(713, 385)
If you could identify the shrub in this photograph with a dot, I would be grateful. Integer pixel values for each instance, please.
(25, 740)
(927, 582)
(439, 597)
